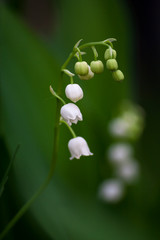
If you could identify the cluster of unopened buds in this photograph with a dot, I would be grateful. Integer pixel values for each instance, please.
(70, 112)
(125, 130)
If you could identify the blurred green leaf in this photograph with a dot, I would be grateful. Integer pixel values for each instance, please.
(5, 177)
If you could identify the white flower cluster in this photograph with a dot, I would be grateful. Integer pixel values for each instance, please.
(71, 113)
(128, 126)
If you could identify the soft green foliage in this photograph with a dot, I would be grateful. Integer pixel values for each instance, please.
(5, 177)
(68, 209)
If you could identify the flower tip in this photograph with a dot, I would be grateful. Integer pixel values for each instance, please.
(90, 154)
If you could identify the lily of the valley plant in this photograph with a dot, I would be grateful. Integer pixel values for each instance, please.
(69, 113)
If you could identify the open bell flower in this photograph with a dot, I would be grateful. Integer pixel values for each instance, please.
(71, 113)
(74, 92)
(78, 147)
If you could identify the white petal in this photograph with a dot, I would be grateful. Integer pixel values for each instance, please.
(75, 121)
(71, 113)
(80, 118)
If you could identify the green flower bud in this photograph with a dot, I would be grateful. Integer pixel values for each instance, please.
(81, 68)
(97, 66)
(107, 54)
(118, 75)
(112, 64)
(88, 76)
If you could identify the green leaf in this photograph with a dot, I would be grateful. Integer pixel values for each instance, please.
(5, 177)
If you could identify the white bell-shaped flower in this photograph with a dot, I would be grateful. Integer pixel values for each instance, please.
(111, 190)
(74, 92)
(78, 147)
(71, 113)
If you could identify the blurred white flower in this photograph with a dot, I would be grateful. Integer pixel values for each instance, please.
(129, 124)
(78, 147)
(74, 92)
(129, 171)
(119, 127)
(131, 117)
(111, 190)
(71, 113)
(119, 152)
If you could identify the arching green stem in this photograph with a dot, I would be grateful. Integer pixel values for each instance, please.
(56, 95)
(71, 79)
(94, 53)
(75, 50)
(69, 127)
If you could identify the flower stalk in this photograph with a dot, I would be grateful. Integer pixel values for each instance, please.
(69, 127)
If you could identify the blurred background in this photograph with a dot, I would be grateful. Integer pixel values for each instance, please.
(35, 40)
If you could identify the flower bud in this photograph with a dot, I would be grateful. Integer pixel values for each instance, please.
(108, 55)
(118, 75)
(88, 76)
(81, 68)
(97, 66)
(112, 64)
(78, 147)
(71, 113)
(74, 92)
